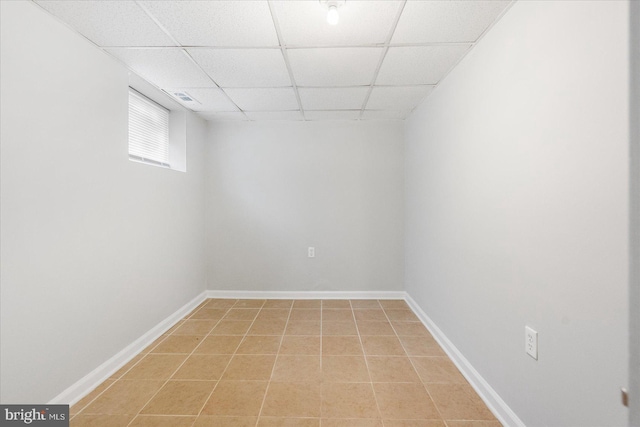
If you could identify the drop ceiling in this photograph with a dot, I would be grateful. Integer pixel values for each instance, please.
(281, 60)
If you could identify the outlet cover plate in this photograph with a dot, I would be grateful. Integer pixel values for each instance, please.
(531, 342)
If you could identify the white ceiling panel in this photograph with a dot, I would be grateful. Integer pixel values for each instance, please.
(244, 67)
(215, 117)
(274, 115)
(333, 115)
(216, 23)
(205, 99)
(397, 98)
(344, 98)
(353, 66)
(417, 65)
(264, 99)
(384, 115)
(110, 23)
(164, 67)
(446, 21)
(304, 23)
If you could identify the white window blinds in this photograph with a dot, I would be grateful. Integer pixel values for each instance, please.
(148, 130)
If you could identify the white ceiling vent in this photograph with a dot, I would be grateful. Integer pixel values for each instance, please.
(184, 96)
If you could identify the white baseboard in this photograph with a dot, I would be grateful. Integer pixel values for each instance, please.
(494, 402)
(307, 294)
(94, 378)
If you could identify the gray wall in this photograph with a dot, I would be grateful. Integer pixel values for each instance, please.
(274, 189)
(96, 250)
(516, 209)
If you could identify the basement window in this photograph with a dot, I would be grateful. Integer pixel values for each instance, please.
(148, 130)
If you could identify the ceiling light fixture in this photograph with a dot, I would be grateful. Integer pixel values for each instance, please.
(332, 10)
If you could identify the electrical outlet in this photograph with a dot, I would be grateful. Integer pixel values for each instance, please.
(531, 342)
(311, 252)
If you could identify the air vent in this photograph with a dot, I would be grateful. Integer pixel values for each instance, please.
(183, 96)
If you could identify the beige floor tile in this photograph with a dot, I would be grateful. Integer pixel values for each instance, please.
(220, 303)
(375, 328)
(273, 314)
(82, 403)
(365, 303)
(249, 303)
(162, 421)
(437, 370)
(473, 424)
(208, 314)
(211, 421)
(353, 422)
(307, 303)
(236, 398)
(297, 368)
(219, 345)
(155, 367)
(421, 346)
(401, 315)
(278, 303)
(336, 303)
(339, 328)
(348, 400)
(268, 327)
(260, 344)
(174, 327)
(101, 420)
(414, 423)
(391, 369)
(309, 345)
(337, 315)
(124, 397)
(405, 401)
(458, 402)
(344, 369)
(154, 344)
(250, 368)
(393, 303)
(305, 314)
(382, 345)
(341, 346)
(292, 400)
(288, 422)
(178, 344)
(370, 314)
(302, 328)
(231, 327)
(195, 327)
(203, 367)
(241, 314)
(130, 364)
(179, 398)
(410, 328)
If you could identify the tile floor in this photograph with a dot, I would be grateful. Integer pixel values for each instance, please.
(284, 363)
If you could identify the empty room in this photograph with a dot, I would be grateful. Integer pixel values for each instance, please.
(320, 213)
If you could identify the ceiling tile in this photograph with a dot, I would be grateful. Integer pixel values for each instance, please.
(344, 98)
(164, 67)
(244, 67)
(205, 99)
(343, 66)
(332, 115)
(304, 23)
(216, 23)
(446, 21)
(109, 23)
(217, 117)
(274, 115)
(264, 99)
(384, 115)
(397, 98)
(418, 65)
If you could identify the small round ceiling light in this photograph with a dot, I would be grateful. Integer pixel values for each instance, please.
(332, 10)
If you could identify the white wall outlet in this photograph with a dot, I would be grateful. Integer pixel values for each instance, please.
(311, 252)
(531, 342)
